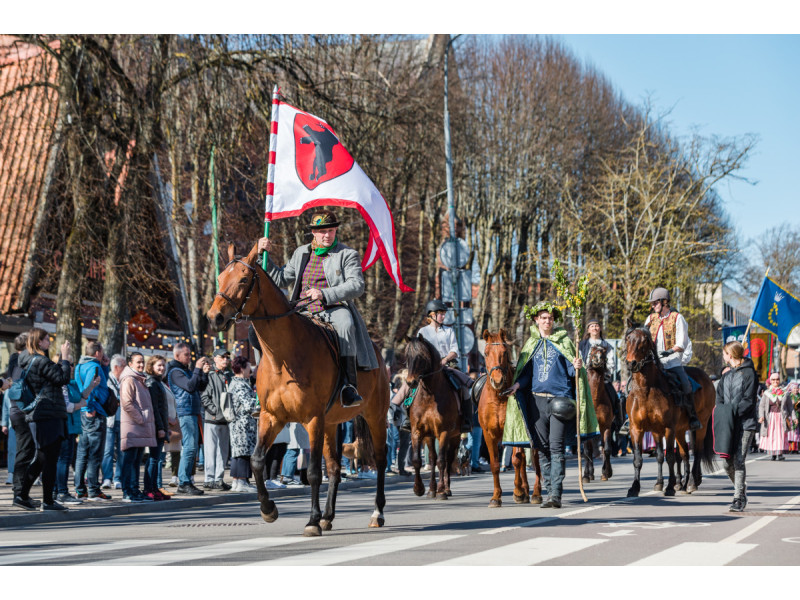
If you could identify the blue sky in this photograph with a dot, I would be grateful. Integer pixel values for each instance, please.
(725, 85)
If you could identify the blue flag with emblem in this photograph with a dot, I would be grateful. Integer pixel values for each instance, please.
(776, 310)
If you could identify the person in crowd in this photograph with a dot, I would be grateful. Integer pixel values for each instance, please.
(477, 436)
(172, 448)
(298, 444)
(187, 384)
(110, 466)
(216, 436)
(774, 414)
(622, 434)
(74, 400)
(544, 385)
(13, 373)
(93, 423)
(137, 426)
(403, 433)
(738, 387)
(244, 428)
(594, 337)
(794, 429)
(154, 370)
(40, 431)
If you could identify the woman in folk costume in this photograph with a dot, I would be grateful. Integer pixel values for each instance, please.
(328, 273)
(774, 414)
(794, 430)
(543, 408)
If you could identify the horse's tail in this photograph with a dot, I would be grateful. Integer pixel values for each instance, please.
(707, 455)
(364, 438)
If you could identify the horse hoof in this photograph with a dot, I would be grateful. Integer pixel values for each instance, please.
(633, 494)
(312, 531)
(591, 477)
(376, 522)
(691, 489)
(604, 478)
(669, 492)
(683, 492)
(536, 499)
(271, 516)
(658, 487)
(441, 496)
(419, 490)
(430, 495)
(325, 525)
(449, 493)
(495, 503)
(523, 499)
(585, 479)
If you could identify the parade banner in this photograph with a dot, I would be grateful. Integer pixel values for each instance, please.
(310, 167)
(776, 310)
(761, 353)
(734, 334)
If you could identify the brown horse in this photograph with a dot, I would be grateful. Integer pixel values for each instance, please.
(434, 416)
(492, 417)
(296, 381)
(596, 373)
(651, 408)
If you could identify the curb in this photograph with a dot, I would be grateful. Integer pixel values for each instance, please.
(78, 514)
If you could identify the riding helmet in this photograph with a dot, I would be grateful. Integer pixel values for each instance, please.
(659, 293)
(434, 305)
(563, 408)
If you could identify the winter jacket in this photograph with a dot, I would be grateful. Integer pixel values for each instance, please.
(738, 387)
(244, 428)
(159, 399)
(218, 382)
(46, 379)
(137, 423)
(187, 386)
(89, 367)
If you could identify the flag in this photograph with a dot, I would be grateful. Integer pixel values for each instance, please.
(310, 167)
(760, 351)
(733, 334)
(776, 311)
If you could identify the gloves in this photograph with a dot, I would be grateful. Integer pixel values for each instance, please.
(665, 353)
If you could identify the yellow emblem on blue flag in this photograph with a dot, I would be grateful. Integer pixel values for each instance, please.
(776, 310)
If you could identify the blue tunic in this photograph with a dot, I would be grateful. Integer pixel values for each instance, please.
(548, 372)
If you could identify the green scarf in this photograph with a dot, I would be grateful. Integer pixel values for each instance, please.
(516, 432)
(320, 250)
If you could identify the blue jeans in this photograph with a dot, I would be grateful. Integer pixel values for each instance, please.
(111, 452)
(477, 438)
(347, 438)
(392, 442)
(152, 469)
(64, 461)
(290, 463)
(90, 452)
(190, 437)
(129, 471)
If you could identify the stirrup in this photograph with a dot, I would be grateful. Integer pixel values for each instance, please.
(355, 398)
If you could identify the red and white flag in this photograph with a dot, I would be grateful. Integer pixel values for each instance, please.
(310, 167)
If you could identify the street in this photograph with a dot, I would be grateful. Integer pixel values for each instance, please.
(608, 530)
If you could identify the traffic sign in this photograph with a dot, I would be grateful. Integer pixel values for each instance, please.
(450, 279)
(466, 316)
(447, 252)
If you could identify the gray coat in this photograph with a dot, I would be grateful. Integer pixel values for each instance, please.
(345, 279)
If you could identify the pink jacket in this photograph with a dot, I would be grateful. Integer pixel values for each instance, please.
(137, 423)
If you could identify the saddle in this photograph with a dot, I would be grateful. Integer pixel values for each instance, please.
(675, 389)
(477, 389)
(330, 335)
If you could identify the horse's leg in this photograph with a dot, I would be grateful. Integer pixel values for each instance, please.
(670, 452)
(636, 437)
(416, 461)
(587, 451)
(431, 443)
(443, 463)
(696, 475)
(334, 476)
(536, 496)
(682, 465)
(268, 429)
(659, 486)
(315, 441)
(494, 464)
(377, 430)
(521, 489)
(607, 471)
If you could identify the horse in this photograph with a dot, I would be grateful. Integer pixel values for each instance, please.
(433, 414)
(596, 373)
(492, 418)
(651, 408)
(292, 387)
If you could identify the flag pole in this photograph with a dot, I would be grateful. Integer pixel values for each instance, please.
(273, 144)
(750, 320)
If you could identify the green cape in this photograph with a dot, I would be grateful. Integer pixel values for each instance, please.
(516, 432)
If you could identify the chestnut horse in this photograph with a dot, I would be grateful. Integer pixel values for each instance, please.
(295, 381)
(492, 417)
(596, 373)
(651, 408)
(433, 414)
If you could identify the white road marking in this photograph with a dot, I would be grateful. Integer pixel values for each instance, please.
(333, 556)
(530, 552)
(14, 543)
(696, 554)
(36, 556)
(761, 523)
(200, 552)
(619, 533)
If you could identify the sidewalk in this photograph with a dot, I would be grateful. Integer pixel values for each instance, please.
(11, 516)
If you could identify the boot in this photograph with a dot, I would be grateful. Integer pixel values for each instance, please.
(466, 411)
(349, 394)
(739, 489)
(406, 424)
(694, 422)
(557, 467)
(544, 463)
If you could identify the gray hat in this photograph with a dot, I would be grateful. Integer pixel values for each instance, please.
(221, 352)
(659, 293)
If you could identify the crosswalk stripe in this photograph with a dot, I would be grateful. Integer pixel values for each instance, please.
(55, 553)
(200, 552)
(333, 556)
(529, 552)
(15, 543)
(700, 554)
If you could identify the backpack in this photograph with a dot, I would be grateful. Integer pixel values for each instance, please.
(21, 392)
(112, 403)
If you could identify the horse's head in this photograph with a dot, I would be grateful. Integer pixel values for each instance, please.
(497, 357)
(235, 283)
(597, 358)
(421, 360)
(639, 347)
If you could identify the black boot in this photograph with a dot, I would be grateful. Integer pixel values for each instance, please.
(349, 394)
(557, 468)
(466, 411)
(406, 424)
(694, 422)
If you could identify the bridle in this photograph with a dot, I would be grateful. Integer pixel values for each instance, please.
(502, 370)
(240, 316)
(637, 365)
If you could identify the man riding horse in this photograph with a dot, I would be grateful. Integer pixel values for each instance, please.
(670, 334)
(328, 274)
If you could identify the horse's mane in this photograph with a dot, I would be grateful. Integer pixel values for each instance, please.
(421, 356)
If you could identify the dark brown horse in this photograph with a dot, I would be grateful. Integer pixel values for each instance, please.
(433, 415)
(651, 408)
(596, 373)
(296, 379)
(492, 417)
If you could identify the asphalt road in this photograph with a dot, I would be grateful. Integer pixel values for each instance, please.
(651, 530)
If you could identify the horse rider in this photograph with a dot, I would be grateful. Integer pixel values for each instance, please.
(443, 338)
(594, 337)
(328, 274)
(670, 335)
(545, 386)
